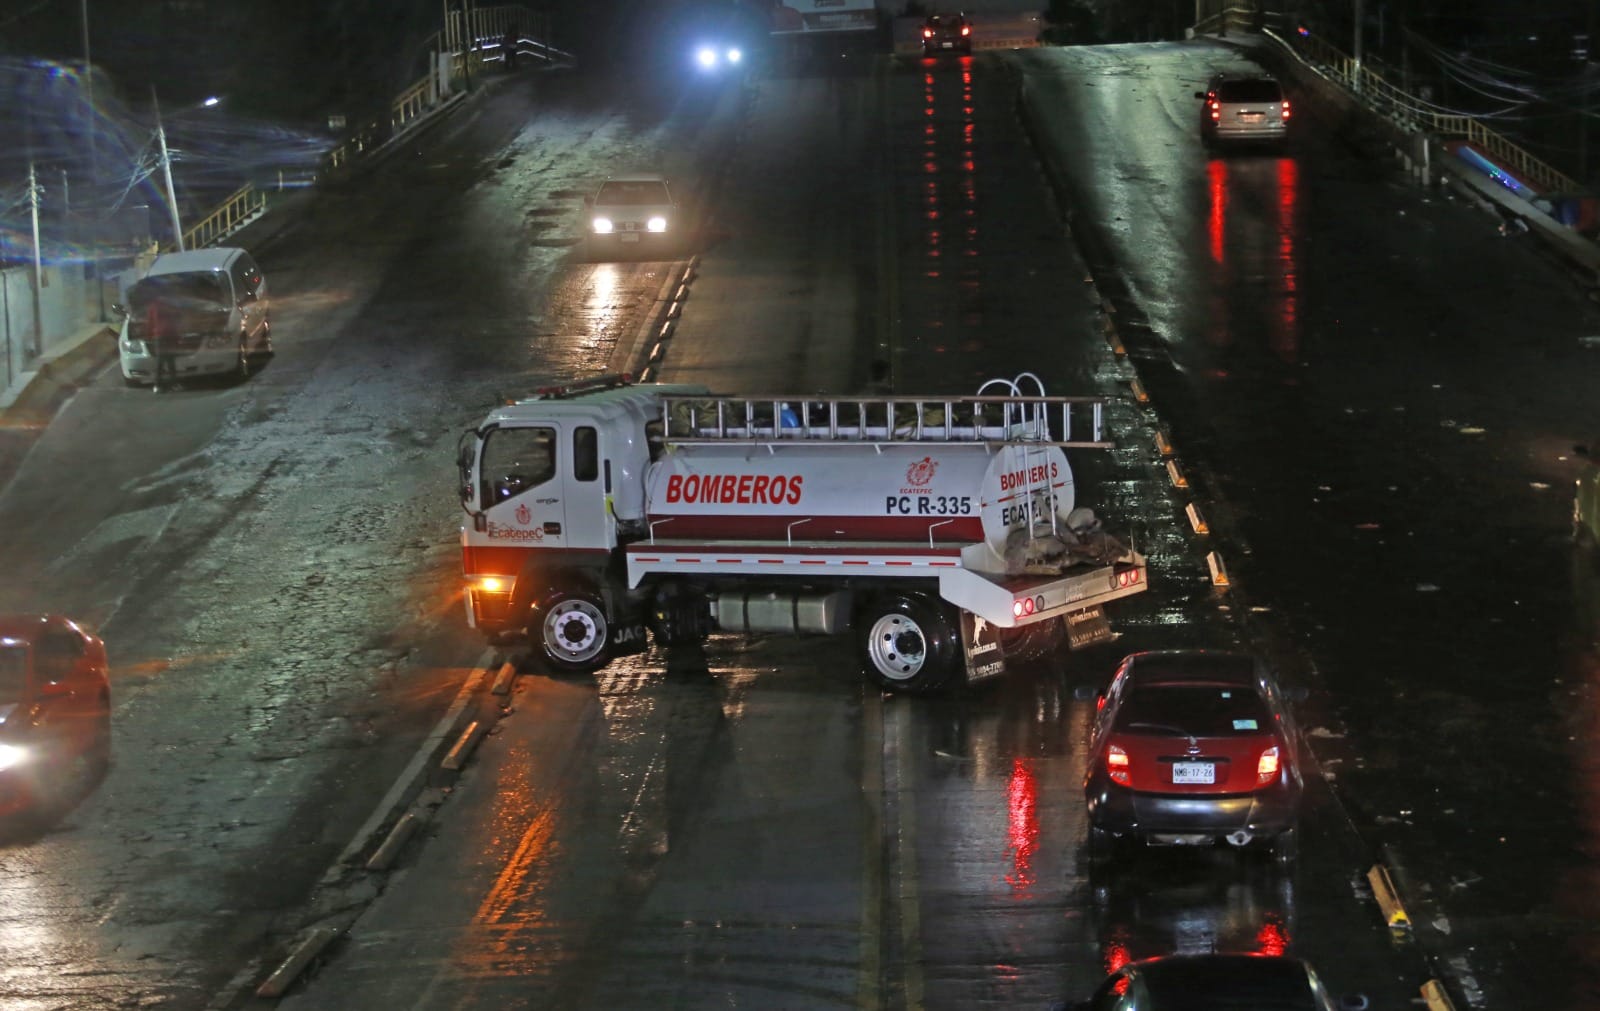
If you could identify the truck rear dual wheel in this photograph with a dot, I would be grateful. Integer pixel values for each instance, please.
(571, 627)
(907, 643)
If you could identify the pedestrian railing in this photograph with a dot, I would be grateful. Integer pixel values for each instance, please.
(1414, 114)
(245, 205)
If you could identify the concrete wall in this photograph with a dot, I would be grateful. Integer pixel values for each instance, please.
(64, 310)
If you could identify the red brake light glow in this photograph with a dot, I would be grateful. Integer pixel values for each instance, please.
(1117, 765)
(1267, 766)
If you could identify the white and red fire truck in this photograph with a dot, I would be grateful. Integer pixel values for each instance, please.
(939, 532)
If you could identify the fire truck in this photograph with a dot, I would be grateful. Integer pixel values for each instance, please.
(939, 533)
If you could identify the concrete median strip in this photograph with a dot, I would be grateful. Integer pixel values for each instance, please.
(285, 974)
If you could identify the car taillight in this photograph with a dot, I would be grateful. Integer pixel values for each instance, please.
(1286, 109)
(1267, 766)
(927, 33)
(966, 29)
(1216, 109)
(1117, 765)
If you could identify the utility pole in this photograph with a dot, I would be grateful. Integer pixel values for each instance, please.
(36, 343)
(166, 171)
(91, 127)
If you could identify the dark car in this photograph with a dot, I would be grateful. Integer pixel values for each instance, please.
(947, 33)
(55, 709)
(1194, 747)
(1243, 109)
(1217, 983)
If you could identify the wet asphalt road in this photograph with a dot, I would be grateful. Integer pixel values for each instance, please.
(273, 566)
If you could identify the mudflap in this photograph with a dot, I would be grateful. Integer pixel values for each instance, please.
(630, 638)
(1088, 627)
(980, 644)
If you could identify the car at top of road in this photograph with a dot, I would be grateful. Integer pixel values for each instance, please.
(1194, 747)
(633, 211)
(946, 33)
(1217, 982)
(1586, 501)
(213, 311)
(1244, 108)
(55, 708)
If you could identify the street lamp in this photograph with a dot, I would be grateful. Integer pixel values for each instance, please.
(166, 164)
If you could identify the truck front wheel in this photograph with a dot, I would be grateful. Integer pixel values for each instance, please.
(906, 644)
(572, 628)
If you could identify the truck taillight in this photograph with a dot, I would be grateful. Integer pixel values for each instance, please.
(491, 584)
(1267, 766)
(1025, 606)
(1126, 578)
(1286, 108)
(1117, 765)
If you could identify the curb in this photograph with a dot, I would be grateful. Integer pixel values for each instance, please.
(58, 375)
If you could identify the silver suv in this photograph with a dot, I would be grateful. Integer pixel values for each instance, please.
(1239, 108)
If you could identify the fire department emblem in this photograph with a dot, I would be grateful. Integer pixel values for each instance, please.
(524, 514)
(921, 472)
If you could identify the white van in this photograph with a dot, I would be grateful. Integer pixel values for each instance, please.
(213, 305)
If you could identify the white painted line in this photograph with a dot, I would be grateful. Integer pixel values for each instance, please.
(398, 836)
(1197, 521)
(1434, 996)
(463, 748)
(1175, 475)
(1163, 444)
(1138, 391)
(1388, 899)
(1219, 574)
(442, 731)
(284, 975)
(503, 680)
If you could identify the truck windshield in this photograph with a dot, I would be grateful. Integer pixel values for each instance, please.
(516, 459)
(13, 674)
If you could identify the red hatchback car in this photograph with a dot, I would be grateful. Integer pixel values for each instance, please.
(1192, 747)
(55, 709)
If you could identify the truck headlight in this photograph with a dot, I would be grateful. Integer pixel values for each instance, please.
(12, 756)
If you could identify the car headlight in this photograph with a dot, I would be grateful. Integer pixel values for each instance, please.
(133, 347)
(658, 223)
(602, 226)
(12, 756)
(706, 57)
(219, 341)
(734, 56)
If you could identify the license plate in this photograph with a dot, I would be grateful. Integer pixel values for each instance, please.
(630, 236)
(1252, 117)
(1194, 772)
(948, 45)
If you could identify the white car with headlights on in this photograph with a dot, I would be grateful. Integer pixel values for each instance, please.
(633, 215)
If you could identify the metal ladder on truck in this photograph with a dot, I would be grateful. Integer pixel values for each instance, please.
(1068, 422)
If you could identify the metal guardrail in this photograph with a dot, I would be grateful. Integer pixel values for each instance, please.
(1376, 92)
(1407, 111)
